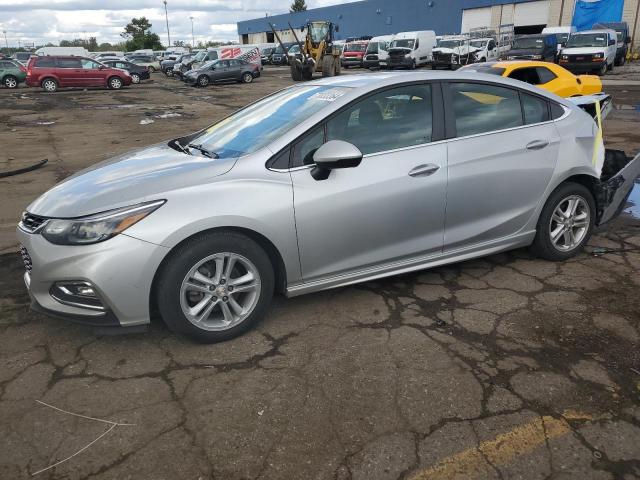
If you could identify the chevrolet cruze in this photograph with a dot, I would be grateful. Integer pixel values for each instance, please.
(320, 185)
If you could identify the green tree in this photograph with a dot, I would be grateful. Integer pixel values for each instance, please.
(298, 6)
(138, 35)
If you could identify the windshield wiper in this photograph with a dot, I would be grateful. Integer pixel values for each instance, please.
(203, 150)
(182, 148)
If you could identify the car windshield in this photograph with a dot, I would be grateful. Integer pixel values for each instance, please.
(478, 43)
(562, 37)
(209, 64)
(449, 43)
(295, 49)
(355, 47)
(529, 43)
(587, 40)
(278, 50)
(372, 47)
(261, 123)
(200, 56)
(620, 37)
(404, 43)
(483, 68)
(318, 31)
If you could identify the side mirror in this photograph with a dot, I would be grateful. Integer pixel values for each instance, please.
(101, 67)
(335, 154)
(337, 29)
(627, 40)
(612, 42)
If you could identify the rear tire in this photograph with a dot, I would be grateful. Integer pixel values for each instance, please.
(10, 81)
(49, 85)
(152, 69)
(135, 78)
(559, 235)
(186, 283)
(169, 72)
(247, 77)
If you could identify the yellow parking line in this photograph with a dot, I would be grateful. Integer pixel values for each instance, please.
(502, 449)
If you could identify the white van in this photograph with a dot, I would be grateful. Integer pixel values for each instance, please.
(76, 51)
(562, 33)
(412, 49)
(590, 51)
(377, 54)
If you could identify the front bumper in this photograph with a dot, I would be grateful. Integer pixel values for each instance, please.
(582, 67)
(120, 269)
(351, 61)
(190, 80)
(400, 62)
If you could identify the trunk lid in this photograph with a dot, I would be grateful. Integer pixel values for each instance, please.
(619, 174)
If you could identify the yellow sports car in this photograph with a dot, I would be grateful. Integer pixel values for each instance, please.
(548, 76)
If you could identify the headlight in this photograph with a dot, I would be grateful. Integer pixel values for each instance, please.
(598, 55)
(564, 57)
(96, 228)
(511, 58)
(536, 57)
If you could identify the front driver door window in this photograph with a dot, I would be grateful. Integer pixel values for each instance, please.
(390, 207)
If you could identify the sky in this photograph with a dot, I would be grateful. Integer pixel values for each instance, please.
(42, 21)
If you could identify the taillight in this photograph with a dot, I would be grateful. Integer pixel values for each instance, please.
(23, 69)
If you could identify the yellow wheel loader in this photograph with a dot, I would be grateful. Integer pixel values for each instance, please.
(317, 53)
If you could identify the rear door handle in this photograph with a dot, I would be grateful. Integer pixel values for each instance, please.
(537, 145)
(424, 170)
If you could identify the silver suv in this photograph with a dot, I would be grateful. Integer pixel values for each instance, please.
(320, 185)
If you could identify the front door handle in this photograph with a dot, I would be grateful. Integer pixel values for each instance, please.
(424, 170)
(537, 145)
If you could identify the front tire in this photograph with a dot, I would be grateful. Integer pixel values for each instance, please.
(203, 80)
(135, 78)
(215, 287)
(10, 81)
(115, 83)
(247, 77)
(566, 223)
(603, 69)
(328, 67)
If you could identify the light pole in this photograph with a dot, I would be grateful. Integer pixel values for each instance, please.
(193, 39)
(166, 16)
(6, 43)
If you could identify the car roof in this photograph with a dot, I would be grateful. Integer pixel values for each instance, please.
(595, 30)
(368, 82)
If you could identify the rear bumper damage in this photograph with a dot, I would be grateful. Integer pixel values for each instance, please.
(619, 174)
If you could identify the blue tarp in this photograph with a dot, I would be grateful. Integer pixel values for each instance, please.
(588, 13)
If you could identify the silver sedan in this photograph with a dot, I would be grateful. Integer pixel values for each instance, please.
(320, 185)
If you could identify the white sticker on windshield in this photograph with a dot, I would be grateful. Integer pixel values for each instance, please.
(328, 95)
(600, 38)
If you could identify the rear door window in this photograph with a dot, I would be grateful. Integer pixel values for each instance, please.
(69, 63)
(481, 108)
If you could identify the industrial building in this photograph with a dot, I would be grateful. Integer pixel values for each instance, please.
(382, 17)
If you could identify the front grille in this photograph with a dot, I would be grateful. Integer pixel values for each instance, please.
(31, 223)
(371, 56)
(442, 57)
(579, 58)
(26, 258)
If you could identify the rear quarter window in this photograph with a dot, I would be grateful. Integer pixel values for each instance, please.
(556, 111)
(45, 62)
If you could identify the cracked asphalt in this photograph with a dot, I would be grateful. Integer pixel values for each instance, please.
(504, 367)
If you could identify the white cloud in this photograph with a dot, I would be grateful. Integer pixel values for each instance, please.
(41, 21)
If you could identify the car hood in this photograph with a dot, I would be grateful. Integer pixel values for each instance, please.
(582, 50)
(145, 174)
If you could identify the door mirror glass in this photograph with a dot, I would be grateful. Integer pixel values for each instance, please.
(612, 42)
(101, 67)
(335, 154)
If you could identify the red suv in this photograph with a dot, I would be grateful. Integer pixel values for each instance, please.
(53, 72)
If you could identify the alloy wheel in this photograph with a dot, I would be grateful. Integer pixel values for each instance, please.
(115, 83)
(220, 291)
(49, 85)
(247, 78)
(10, 82)
(569, 223)
(203, 81)
(135, 78)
